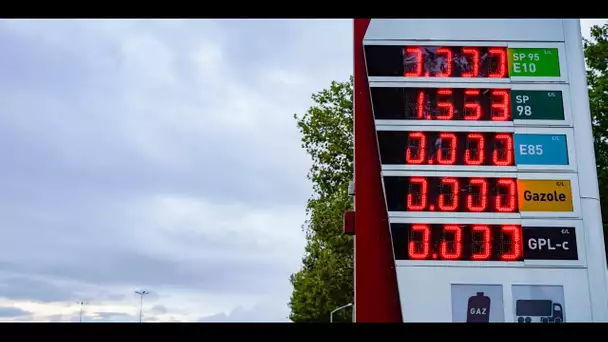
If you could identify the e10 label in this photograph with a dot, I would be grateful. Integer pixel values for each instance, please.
(533, 62)
(537, 105)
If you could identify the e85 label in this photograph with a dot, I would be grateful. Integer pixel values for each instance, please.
(541, 149)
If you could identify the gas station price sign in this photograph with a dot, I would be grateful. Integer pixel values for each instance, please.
(466, 104)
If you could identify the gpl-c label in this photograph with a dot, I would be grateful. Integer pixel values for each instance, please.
(550, 243)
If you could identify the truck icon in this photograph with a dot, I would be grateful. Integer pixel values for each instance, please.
(528, 310)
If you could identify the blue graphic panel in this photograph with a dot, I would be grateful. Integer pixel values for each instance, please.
(541, 149)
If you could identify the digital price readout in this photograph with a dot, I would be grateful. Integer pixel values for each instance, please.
(395, 103)
(466, 104)
(445, 148)
(451, 194)
(437, 61)
(457, 242)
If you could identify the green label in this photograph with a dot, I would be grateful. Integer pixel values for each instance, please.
(533, 62)
(537, 105)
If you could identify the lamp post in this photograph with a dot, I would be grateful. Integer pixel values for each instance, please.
(331, 314)
(141, 294)
(81, 307)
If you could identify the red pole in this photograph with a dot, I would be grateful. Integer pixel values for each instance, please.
(376, 291)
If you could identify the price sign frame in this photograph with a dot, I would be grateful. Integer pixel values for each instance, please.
(561, 50)
(566, 103)
(524, 223)
(570, 167)
(572, 177)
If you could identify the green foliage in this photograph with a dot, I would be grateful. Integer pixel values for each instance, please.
(596, 56)
(325, 280)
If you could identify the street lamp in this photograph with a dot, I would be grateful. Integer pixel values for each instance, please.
(141, 294)
(81, 306)
(331, 314)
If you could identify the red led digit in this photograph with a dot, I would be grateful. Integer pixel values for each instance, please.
(421, 148)
(472, 110)
(420, 106)
(474, 53)
(500, 110)
(507, 157)
(482, 202)
(417, 52)
(516, 248)
(424, 184)
(486, 245)
(457, 252)
(480, 141)
(506, 203)
(450, 159)
(423, 252)
(448, 60)
(453, 204)
(447, 106)
(501, 68)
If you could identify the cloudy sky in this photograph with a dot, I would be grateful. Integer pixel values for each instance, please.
(160, 155)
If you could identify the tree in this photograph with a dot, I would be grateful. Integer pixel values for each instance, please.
(596, 57)
(325, 279)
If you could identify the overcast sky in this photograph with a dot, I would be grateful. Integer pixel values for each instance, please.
(160, 155)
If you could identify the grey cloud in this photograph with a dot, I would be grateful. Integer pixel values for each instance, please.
(88, 131)
(261, 312)
(116, 297)
(114, 317)
(13, 312)
(225, 277)
(23, 288)
(58, 318)
(158, 309)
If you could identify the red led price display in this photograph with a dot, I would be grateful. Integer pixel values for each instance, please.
(436, 61)
(458, 242)
(445, 148)
(451, 194)
(446, 104)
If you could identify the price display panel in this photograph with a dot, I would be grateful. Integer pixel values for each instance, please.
(471, 104)
(451, 194)
(457, 242)
(442, 104)
(437, 61)
(446, 148)
(449, 241)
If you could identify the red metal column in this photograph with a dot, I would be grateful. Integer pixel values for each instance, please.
(376, 291)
